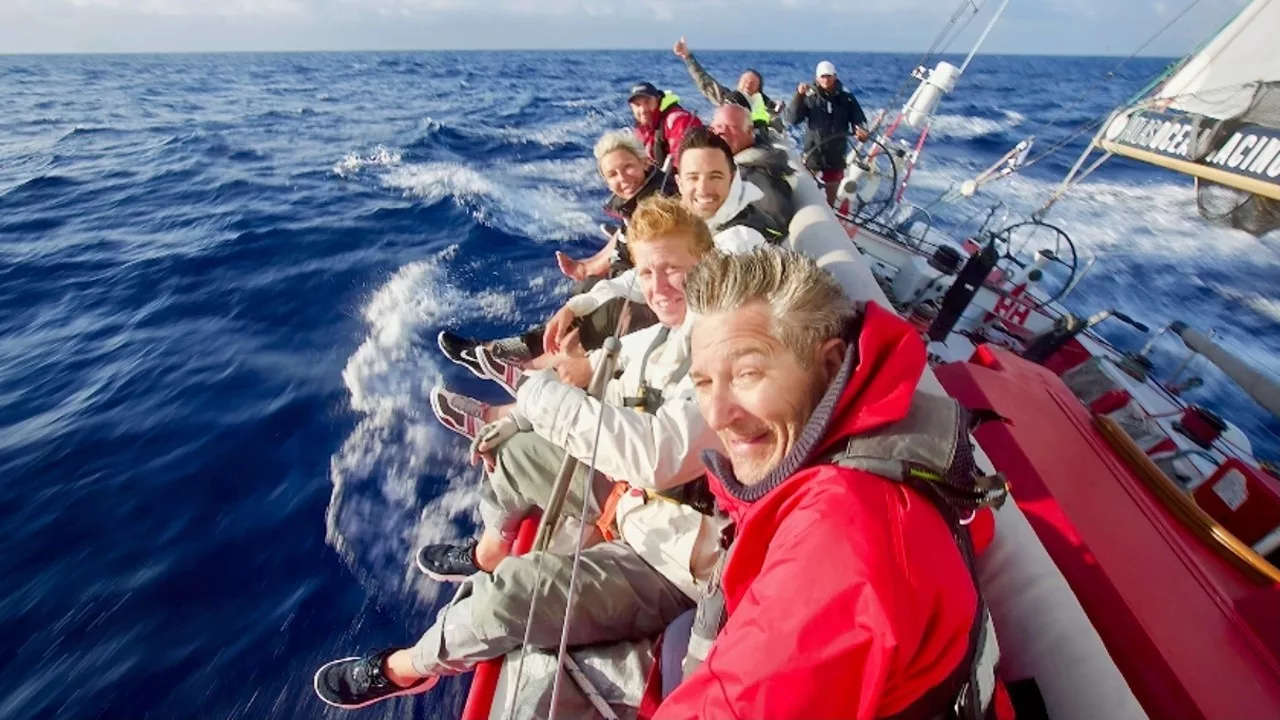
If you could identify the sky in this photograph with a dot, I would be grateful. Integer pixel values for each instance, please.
(1053, 27)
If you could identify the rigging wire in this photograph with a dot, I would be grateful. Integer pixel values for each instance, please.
(563, 658)
(940, 44)
(1090, 126)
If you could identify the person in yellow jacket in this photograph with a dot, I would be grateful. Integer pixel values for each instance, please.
(748, 93)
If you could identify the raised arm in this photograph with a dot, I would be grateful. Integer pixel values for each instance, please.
(658, 450)
(707, 85)
(798, 110)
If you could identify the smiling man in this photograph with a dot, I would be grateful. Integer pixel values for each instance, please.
(844, 593)
(759, 162)
(657, 553)
(712, 188)
(661, 123)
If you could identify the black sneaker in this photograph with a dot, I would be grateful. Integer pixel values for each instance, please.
(356, 682)
(448, 563)
(462, 351)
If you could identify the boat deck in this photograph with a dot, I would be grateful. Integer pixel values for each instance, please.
(1194, 636)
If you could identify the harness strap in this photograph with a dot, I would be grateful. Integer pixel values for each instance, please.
(710, 616)
(609, 512)
(758, 220)
(661, 149)
(967, 692)
(647, 398)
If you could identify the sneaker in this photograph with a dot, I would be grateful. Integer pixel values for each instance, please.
(459, 413)
(504, 372)
(461, 350)
(356, 682)
(448, 563)
(514, 349)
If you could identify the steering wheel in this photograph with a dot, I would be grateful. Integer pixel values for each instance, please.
(872, 208)
(1055, 255)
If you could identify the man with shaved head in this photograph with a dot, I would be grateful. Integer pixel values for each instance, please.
(760, 163)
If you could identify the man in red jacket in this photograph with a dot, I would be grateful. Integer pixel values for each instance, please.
(660, 121)
(845, 594)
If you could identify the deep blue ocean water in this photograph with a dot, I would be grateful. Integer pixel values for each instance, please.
(221, 277)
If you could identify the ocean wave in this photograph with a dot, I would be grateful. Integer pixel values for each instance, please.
(968, 127)
(376, 472)
(498, 198)
(353, 162)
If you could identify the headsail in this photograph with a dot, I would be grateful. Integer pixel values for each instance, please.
(1217, 118)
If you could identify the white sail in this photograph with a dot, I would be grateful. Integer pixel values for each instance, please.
(1222, 79)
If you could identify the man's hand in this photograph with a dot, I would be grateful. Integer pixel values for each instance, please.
(574, 370)
(557, 327)
(802, 89)
(493, 435)
(861, 134)
(681, 49)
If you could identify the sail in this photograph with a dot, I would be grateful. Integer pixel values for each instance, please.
(1217, 118)
(1223, 80)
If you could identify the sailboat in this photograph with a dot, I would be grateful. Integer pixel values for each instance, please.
(1154, 510)
(1136, 574)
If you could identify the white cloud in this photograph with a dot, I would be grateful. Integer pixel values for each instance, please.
(1056, 26)
(225, 8)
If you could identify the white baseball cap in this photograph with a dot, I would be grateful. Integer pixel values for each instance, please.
(825, 68)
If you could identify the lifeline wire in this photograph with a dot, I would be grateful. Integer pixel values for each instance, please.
(573, 577)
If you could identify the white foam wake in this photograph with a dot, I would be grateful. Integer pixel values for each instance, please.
(966, 127)
(353, 162)
(514, 199)
(373, 519)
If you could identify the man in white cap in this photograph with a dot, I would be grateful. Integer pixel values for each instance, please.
(833, 114)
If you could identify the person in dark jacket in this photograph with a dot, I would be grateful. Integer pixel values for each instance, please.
(830, 111)
(759, 162)
(749, 92)
(660, 122)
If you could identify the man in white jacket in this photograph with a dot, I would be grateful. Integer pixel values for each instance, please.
(710, 186)
(657, 553)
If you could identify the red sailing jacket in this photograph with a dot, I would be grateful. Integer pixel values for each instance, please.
(845, 594)
(676, 121)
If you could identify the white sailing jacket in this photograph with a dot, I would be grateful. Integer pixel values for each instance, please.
(649, 450)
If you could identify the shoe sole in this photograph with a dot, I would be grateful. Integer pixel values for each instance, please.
(495, 374)
(478, 372)
(438, 577)
(415, 690)
(441, 415)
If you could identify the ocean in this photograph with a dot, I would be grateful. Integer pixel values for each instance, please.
(221, 277)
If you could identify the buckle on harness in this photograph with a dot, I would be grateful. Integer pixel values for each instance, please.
(646, 400)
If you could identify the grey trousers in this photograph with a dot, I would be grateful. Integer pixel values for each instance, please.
(619, 595)
(524, 471)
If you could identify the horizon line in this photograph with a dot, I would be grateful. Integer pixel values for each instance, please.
(54, 53)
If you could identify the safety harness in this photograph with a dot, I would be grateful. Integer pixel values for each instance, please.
(647, 400)
(758, 220)
(930, 451)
